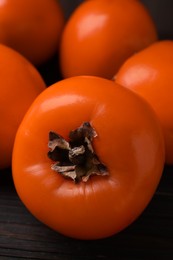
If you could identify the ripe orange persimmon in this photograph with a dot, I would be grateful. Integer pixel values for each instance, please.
(101, 34)
(20, 83)
(85, 162)
(150, 74)
(32, 27)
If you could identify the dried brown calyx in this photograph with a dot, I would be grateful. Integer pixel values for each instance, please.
(76, 158)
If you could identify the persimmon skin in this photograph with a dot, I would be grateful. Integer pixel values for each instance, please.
(150, 74)
(20, 83)
(100, 35)
(32, 27)
(130, 146)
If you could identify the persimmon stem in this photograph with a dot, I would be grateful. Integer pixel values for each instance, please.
(76, 159)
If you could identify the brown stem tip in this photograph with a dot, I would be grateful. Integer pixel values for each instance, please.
(76, 159)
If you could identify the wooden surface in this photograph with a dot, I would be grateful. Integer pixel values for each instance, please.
(24, 237)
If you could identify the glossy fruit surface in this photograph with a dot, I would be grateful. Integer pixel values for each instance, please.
(101, 34)
(32, 27)
(150, 74)
(20, 83)
(129, 147)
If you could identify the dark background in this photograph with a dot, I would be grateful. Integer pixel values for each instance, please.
(149, 237)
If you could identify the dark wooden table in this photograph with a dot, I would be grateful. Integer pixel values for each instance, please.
(24, 237)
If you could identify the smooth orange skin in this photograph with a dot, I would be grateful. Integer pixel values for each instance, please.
(150, 74)
(129, 144)
(100, 35)
(32, 27)
(20, 83)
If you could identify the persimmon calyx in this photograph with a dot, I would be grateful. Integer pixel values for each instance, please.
(76, 159)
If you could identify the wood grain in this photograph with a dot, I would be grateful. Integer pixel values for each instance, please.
(24, 237)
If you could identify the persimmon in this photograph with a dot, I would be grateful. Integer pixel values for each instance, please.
(149, 73)
(32, 27)
(20, 83)
(85, 162)
(100, 35)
